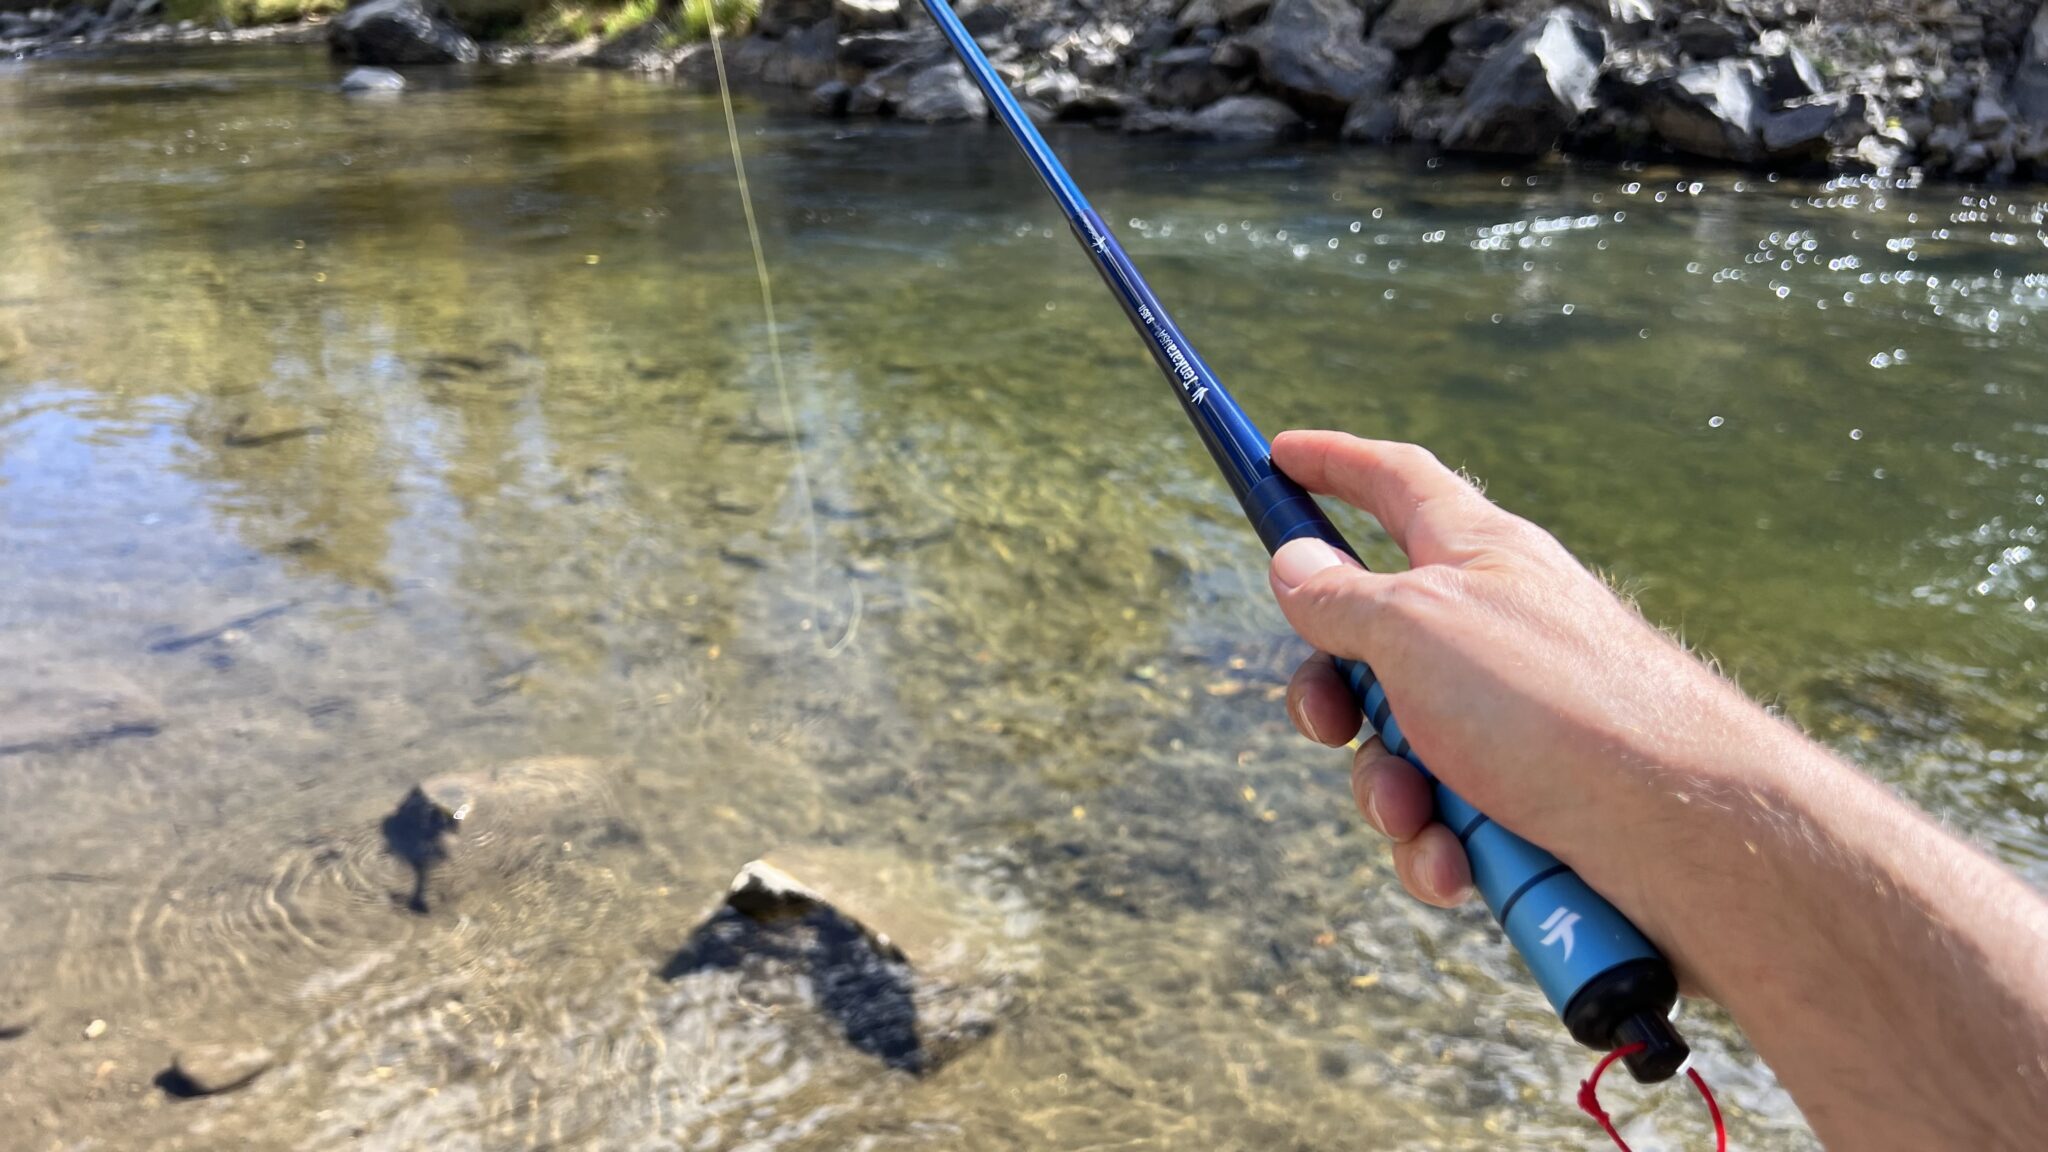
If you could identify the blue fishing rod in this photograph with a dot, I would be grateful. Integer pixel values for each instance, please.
(1609, 983)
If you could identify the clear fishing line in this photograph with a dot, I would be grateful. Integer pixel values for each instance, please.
(782, 393)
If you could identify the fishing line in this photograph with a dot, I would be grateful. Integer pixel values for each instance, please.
(796, 448)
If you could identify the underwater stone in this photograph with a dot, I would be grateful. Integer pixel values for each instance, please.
(20, 1009)
(210, 1069)
(60, 706)
(907, 969)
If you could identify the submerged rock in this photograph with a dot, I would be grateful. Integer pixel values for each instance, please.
(399, 32)
(462, 831)
(1532, 88)
(372, 80)
(906, 969)
(57, 706)
(211, 1069)
(20, 1010)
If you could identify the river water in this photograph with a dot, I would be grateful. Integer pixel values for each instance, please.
(345, 444)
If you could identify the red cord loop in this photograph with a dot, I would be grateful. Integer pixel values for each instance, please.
(1589, 1099)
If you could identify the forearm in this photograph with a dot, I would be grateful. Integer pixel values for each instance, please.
(1894, 978)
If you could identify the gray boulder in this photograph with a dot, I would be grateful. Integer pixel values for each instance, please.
(780, 16)
(1532, 87)
(1801, 133)
(985, 18)
(647, 48)
(831, 98)
(872, 50)
(1631, 21)
(1407, 23)
(1245, 118)
(1713, 110)
(1706, 36)
(805, 58)
(1064, 96)
(1988, 117)
(1189, 78)
(368, 80)
(399, 32)
(1788, 74)
(2029, 87)
(1471, 43)
(1373, 120)
(868, 15)
(1232, 14)
(1312, 53)
(940, 93)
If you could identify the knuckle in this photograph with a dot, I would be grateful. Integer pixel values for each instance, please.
(1411, 458)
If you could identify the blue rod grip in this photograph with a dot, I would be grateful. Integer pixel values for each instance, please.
(1566, 932)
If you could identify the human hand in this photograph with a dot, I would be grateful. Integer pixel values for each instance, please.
(1524, 683)
(1848, 934)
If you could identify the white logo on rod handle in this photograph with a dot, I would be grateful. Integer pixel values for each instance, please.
(1559, 928)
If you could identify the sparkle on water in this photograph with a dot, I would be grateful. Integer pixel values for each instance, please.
(344, 444)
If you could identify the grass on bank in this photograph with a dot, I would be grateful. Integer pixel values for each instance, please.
(523, 21)
(249, 13)
(562, 20)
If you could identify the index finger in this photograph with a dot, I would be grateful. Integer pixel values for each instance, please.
(1419, 502)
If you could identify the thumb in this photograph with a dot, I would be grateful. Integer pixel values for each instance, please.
(1328, 597)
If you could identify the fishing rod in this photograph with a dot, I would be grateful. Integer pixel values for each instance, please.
(1610, 985)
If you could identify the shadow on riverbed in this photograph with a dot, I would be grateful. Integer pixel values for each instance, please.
(860, 981)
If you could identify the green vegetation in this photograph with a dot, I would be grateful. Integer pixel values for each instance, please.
(524, 21)
(249, 13)
(734, 16)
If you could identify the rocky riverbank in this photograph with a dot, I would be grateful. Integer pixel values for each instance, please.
(1942, 87)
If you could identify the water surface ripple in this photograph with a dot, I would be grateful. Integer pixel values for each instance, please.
(345, 445)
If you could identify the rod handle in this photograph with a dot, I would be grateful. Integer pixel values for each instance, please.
(1604, 978)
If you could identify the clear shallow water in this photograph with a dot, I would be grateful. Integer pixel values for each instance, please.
(347, 444)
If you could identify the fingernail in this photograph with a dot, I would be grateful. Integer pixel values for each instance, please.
(1372, 811)
(1300, 712)
(1434, 868)
(1300, 559)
